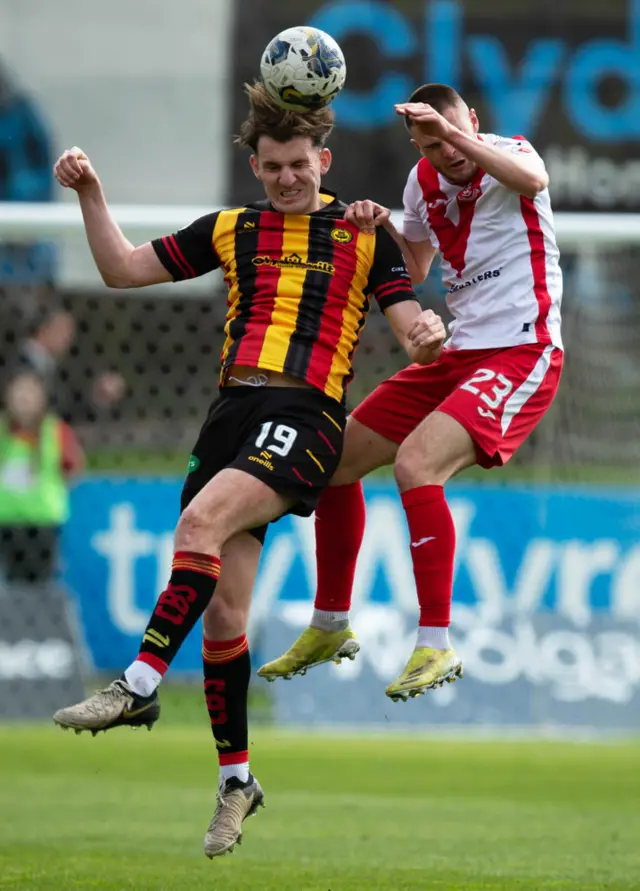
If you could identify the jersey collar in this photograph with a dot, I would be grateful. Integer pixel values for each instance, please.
(330, 202)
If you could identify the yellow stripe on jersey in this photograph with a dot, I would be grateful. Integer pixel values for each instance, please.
(351, 316)
(224, 244)
(295, 243)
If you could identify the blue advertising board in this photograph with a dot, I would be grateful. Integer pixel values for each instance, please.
(566, 79)
(547, 597)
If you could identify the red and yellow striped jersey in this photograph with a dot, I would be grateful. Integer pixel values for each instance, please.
(300, 285)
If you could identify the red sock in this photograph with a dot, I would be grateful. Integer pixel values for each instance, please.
(340, 519)
(433, 540)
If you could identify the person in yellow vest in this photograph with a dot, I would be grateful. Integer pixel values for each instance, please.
(38, 455)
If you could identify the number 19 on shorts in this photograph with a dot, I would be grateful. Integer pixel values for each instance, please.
(280, 441)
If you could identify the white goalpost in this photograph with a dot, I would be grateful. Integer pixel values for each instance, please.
(582, 236)
(25, 221)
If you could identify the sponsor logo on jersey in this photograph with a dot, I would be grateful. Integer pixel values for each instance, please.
(481, 277)
(434, 205)
(294, 261)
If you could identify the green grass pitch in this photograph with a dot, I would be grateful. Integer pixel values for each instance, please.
(128, 811)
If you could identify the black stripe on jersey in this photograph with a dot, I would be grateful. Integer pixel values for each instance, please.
(313, 299)
(246, 284)
(363, 318)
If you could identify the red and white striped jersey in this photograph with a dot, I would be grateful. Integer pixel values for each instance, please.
(500, 261)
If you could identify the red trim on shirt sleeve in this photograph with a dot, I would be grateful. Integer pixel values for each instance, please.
(178, 257)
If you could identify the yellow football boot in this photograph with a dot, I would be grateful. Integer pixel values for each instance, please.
(314, 647)
(427, 668)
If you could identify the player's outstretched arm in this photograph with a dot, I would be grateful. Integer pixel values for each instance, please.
(120, 264)
(522, 172)
(421, 333)
(366, 215)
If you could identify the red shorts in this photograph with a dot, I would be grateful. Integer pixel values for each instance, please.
(497, 395)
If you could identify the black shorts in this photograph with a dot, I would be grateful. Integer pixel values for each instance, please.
(288, 437)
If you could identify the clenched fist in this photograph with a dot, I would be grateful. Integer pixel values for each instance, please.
(366, 215)
(73, 170)
(426, 337)
(430, 121)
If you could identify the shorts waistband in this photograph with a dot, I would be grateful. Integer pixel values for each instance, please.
(243, 376)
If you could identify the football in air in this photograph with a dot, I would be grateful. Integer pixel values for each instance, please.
(303, 69)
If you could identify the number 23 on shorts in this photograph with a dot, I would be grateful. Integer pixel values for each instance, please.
(491, 388)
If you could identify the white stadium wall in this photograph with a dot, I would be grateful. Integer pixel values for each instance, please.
(155, 123)
(142, 86)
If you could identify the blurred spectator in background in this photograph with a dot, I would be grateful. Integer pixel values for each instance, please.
(39, 453)
(52, 335)
(25, 175)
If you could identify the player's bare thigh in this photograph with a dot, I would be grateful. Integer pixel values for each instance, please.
(231, 502)
(468, 427)
(437, 449)
(363, 451)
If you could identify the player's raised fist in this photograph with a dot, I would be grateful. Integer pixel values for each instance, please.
(73, 169)
(366, 215)
(426, 338)
(431, 122)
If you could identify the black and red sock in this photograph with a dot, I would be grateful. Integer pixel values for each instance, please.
(227, 672)
(191, 586)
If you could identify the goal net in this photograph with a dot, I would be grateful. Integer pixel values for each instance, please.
(163, 343)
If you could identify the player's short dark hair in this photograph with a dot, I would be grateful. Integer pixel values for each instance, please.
(438, 96)
(267, 118)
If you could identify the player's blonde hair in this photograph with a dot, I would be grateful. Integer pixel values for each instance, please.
(267, 118)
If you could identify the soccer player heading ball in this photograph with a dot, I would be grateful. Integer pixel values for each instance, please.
(480, 201)
(300, 281)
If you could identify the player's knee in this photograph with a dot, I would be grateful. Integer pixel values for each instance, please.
(345, 475)
(223, 620)
(415, 466)
(408, 470)
(196, 531)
